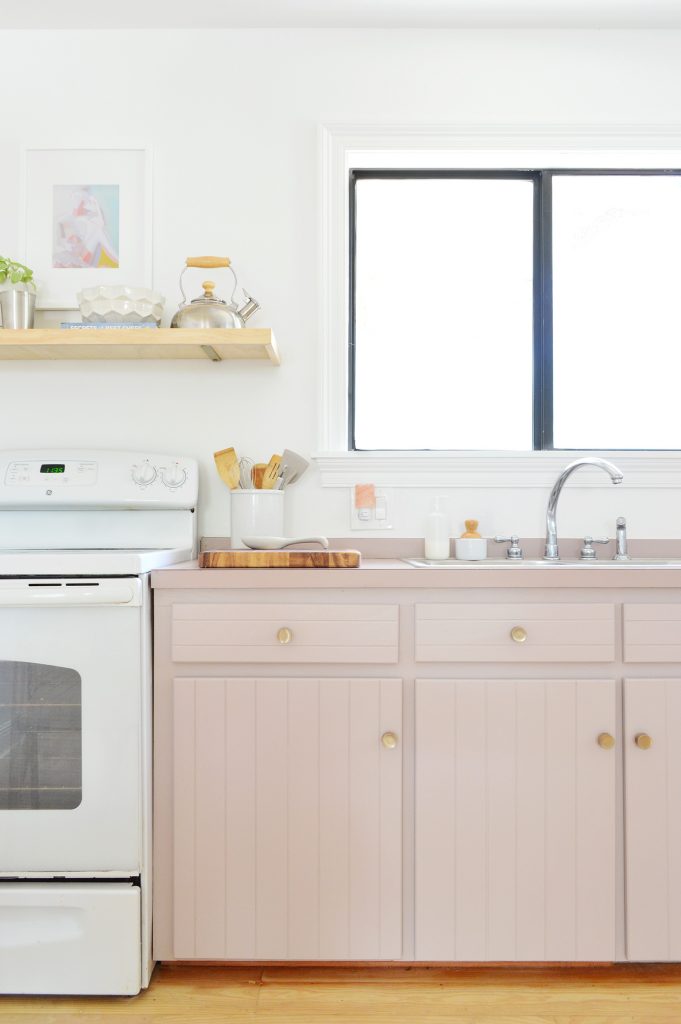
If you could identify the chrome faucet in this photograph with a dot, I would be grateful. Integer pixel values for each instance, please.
(551, 548)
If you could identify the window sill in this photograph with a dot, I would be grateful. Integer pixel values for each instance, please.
(491, 469)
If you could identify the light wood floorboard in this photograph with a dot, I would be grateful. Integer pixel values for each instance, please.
(366, 995)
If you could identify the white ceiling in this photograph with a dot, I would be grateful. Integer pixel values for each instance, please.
(142, 14)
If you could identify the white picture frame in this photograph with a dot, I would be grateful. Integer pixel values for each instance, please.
(48, 175)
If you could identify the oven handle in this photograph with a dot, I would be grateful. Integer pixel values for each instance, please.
(111, 592)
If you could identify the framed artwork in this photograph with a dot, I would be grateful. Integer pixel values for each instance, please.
(86, 220)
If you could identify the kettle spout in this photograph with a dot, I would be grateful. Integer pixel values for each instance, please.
(248, 308)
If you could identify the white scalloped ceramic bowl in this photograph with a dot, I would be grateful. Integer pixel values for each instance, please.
(119, 304)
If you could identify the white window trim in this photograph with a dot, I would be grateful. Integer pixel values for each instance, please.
(343, 146)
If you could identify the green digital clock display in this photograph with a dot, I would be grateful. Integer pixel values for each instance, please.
(53, 467)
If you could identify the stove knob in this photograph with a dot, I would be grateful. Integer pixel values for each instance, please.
(174, 476)
(144, 474)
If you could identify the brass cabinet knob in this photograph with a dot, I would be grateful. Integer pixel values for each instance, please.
(643, 741)
(606, 741)
(389, 740)
(518, 634)
(284, 635)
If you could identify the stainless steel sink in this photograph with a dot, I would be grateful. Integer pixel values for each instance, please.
(539, 563)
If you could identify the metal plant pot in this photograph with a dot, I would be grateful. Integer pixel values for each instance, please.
(17, 308)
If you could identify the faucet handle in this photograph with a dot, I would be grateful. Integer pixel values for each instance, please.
(515, 551)
(621, 551)
(588, 552)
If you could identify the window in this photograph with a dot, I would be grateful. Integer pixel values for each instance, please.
(515, 310)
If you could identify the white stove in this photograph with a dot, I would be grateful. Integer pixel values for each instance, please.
(79, 533)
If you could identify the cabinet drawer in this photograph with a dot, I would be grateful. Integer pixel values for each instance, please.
(515, 632)
(652, 632)
(285, 633)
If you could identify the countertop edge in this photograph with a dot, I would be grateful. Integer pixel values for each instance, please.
(394, 574)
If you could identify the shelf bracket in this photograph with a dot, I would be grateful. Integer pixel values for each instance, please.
(211, 353)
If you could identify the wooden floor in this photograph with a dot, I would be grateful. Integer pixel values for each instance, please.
(401, 995)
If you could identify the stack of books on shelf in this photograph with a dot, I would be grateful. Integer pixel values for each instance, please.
(73, 326)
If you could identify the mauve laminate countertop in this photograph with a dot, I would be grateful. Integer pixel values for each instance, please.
(394, 573)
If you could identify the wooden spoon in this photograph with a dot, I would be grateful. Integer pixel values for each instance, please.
(228, 467)
(271, 474)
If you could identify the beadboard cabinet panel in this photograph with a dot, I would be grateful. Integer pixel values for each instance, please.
(515, 820)
(287, 812)
(652, 708)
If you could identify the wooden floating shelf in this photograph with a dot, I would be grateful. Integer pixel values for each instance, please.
(141, 343)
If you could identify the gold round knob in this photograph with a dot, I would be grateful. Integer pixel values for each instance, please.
(643, 741)
(284, 635)
(518, 634)
(389, 740)
(208, 287)
(606, 741)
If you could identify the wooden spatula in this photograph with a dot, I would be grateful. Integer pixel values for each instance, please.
(258, 473)
(271, 474)
(228, 467)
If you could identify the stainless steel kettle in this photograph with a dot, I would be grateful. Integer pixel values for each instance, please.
(208, 310)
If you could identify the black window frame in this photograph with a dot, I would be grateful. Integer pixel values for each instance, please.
(542, 289)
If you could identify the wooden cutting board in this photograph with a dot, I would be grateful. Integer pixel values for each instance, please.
(279, 559)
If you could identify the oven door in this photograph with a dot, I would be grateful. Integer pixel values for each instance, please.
(71, 679)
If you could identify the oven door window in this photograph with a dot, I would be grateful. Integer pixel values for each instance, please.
(41, 763)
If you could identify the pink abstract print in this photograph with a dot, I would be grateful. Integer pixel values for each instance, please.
(86, 226)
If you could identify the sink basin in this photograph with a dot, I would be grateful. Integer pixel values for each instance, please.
(539, 563)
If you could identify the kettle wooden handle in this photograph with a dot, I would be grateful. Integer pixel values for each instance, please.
(208, 262)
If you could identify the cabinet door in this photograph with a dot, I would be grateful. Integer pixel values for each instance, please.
(652, 708)
(515, 820)
(287, 819)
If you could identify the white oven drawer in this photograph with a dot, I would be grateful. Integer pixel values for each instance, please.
(70, 938)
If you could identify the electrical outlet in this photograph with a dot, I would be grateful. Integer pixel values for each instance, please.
(376, 518)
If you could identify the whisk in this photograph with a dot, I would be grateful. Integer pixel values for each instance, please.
(246, 473)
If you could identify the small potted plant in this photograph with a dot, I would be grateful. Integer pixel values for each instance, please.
(17, 294)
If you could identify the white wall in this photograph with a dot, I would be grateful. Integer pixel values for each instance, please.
(232, 117)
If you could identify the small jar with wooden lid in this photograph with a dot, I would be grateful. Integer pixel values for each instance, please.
(470, 546)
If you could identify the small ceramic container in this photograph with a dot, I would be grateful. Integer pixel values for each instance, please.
(471, 549)
(256, 513)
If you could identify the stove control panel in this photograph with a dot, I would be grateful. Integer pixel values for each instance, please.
(36, 473)
(96, 479)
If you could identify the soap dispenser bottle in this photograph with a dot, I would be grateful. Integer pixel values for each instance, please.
(437, 533)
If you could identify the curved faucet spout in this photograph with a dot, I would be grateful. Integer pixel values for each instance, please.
(616, 475)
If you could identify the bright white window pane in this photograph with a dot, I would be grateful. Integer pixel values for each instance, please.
(443, 323)
(617, 311)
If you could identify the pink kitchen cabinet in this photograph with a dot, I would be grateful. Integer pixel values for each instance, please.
(515, 819)
(652, 738)
(287, 818)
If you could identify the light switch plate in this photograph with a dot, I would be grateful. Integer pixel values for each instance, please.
(377, 518)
